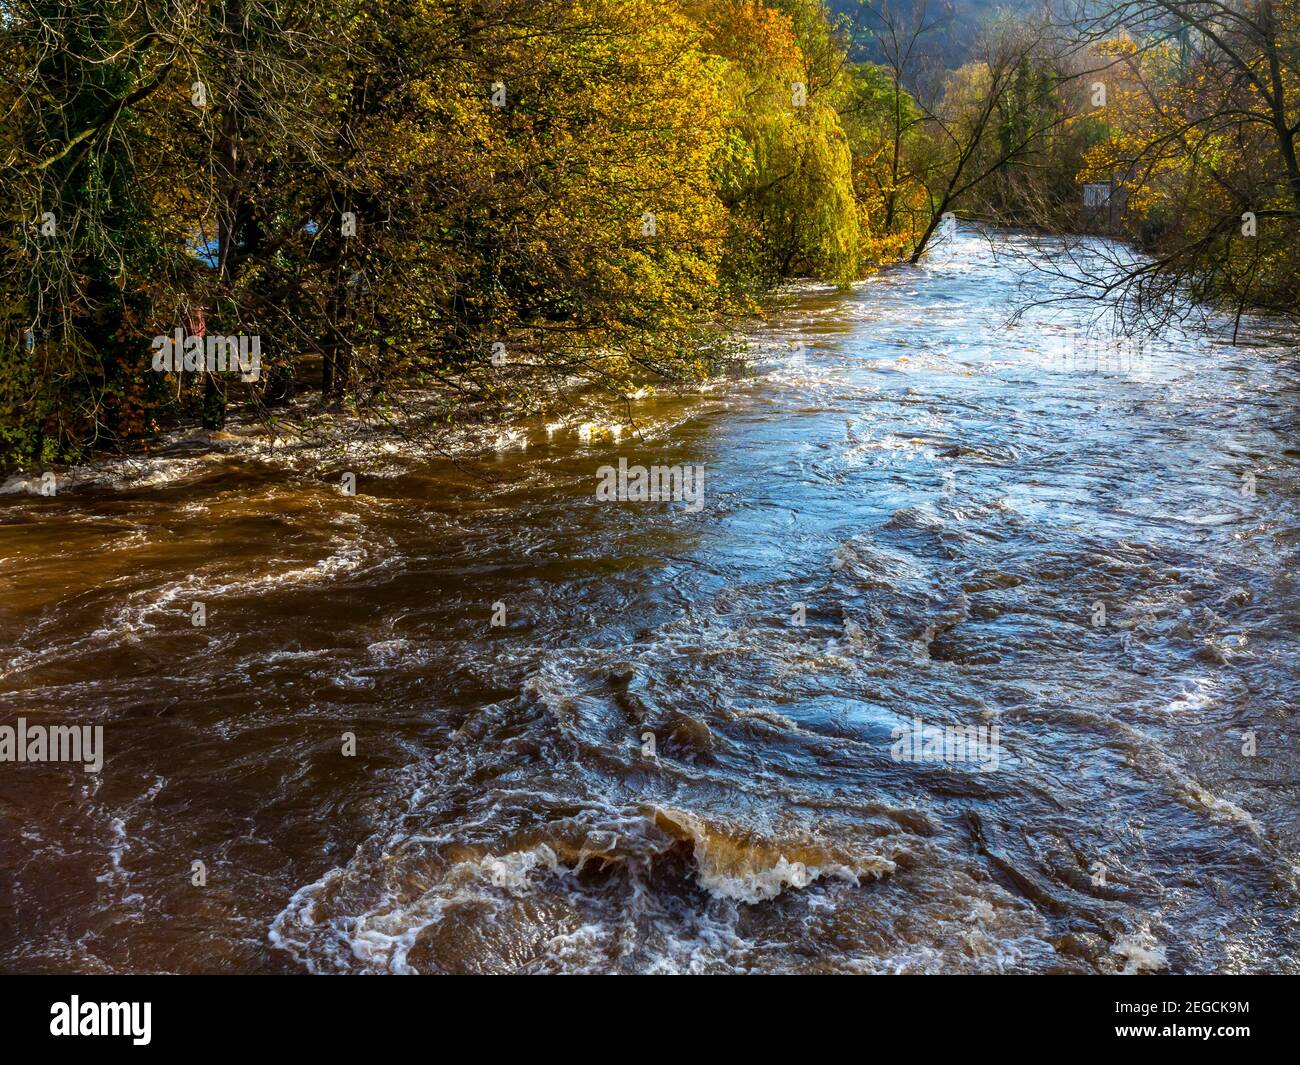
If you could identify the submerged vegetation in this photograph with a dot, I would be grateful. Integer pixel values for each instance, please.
(495, 198)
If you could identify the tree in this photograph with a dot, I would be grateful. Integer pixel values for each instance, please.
(80, 245)
(1203, 122)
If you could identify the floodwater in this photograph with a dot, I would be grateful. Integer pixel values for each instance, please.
(652, 765)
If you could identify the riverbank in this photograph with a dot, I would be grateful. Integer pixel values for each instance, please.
(309, 434)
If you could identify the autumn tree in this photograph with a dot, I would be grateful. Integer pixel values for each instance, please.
(1203, 114)
(479, 202)
(786, 172)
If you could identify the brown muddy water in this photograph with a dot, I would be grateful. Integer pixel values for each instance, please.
(946, 494)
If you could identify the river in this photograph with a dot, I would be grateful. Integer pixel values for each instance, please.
(686, 746)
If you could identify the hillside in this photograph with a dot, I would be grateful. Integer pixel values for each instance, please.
(956, 24)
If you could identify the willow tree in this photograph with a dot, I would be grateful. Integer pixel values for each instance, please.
(786, 174)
